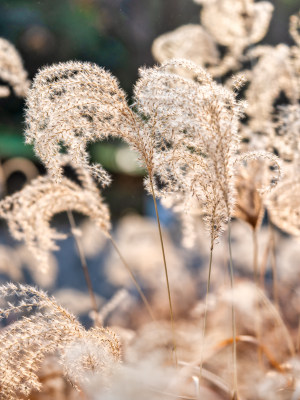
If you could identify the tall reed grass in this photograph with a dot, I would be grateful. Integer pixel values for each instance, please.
(214, 153)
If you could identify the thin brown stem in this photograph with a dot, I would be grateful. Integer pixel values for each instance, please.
(166, 269)
(250, 339)
(206, 306)
(138, 288)
(189, 368)
(264, 263)
(256, 280)
(83, 262)
(234, 353)
(273, 264)
(278, 318)
(298, 337)
(255, 256)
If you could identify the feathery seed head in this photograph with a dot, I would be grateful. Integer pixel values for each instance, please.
(196, 129)
(272, 74)
(257, 173)
(236, 22)
(283, 206)
(186, 42)
(286, 139)
(295, 28)
(30, 211)
(71, 104)
(48, 328)
(11, 70)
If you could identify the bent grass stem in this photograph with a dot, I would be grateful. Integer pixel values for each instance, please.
(138, 288)
(86, 271)
(166, 269)
(206, 306)
(234, 355)
(83, 262)
(256, 280)
(255, 256)
(273, 264)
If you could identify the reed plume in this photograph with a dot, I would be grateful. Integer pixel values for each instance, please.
(285, 137)
(295, 28)
(249, 205)
(295, 50)
(12, 70)
(191, 42)
(69, 105)
(47, 328)
(272, 74)
(198, 141)
(283, 206)
(29, 211)
(196, 121)
(234, 24)
(282, 203)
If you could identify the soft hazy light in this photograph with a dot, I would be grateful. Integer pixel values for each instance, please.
(127, 160)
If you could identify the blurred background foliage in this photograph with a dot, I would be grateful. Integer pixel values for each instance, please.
(116, 34)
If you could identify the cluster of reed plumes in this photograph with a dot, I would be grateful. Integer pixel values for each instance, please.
(219, 156)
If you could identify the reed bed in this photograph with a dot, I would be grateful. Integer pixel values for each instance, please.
(211, 315)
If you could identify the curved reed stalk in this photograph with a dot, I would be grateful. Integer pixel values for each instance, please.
(206, 306)
(87, 275)
(166, 272)
(83, 262)
(234, 353)
(138, 287)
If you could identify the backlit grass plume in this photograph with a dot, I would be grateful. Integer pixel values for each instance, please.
(273, 74)
(48, 328)
(71, 104)
(29, 211)
(12, 70)
(186, 42)
(233, 24)
(197, 132)
(283, 206)
(286, 135)
(197, 125)
(236, 23)
(249, 206)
